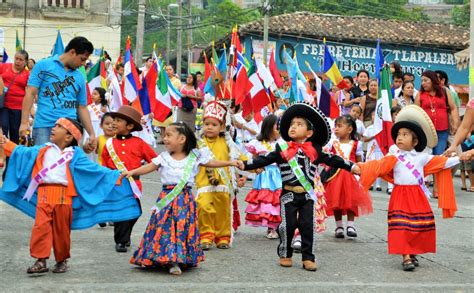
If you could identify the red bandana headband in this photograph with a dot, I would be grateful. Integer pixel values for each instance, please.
(69, 126)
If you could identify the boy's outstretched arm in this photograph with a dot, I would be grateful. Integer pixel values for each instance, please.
(145, 169)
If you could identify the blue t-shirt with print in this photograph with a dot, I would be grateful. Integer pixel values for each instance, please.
(60, 91)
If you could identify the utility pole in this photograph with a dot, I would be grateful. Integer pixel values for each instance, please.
(180, 41)
(267, 7)
(140, 32)
(190, 37)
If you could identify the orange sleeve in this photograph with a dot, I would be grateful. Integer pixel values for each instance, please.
(444, 182)
(377, 168)
(9, 147)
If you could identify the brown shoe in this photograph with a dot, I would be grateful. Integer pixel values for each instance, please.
(61, 267)
(309, 265)
(286, 262)
(38, 267)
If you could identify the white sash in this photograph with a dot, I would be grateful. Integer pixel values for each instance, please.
(417, 174)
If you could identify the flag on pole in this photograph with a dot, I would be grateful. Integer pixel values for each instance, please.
(6, 58)
(331, 70)
(379, 60)
(293, 75)
(131, 84)
(58, 47)
(274, 70)
(97, 75)
(383, 118)
(242, 84)
(166, 97)
(323, 96)
(18, 43)
(258, 94)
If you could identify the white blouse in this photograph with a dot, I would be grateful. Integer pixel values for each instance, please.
(401, 174)
(171, 170)
(347, 148)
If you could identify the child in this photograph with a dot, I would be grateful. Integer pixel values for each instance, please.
(306, 129)
(344, 196)
(72, 192)
(411, 225)
(172, 236)
(214, 186)
(373, 150)
(97, 108)
(263, 208)
(246, 125)
(126, 152)
(355, 113)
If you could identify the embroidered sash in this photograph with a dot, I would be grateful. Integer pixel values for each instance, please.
(316, 193)
(96, 110)
(121, 167)
(36, 181)
(417, 174)
(165, 201)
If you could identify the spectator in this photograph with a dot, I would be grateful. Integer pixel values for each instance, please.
(31, 63)
(396, 68)
(61, 91)
(406, 95)
(406, 76)
(369, 101)
(187, 107)
(15, 78)
(200, 81)
(362, 87)
(345, 98)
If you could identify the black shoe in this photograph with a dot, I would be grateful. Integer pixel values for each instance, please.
(378, 188)
(371, 188)
(339, 233)
(120, 247)
(415, 261)
(389, 191)
(352, 232)
(127, 244)
(102, 225)
(408, 265)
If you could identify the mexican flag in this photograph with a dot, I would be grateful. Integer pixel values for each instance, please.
(166, 97)
(383, 118)
(97, 75)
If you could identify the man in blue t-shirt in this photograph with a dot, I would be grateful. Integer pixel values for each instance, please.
(61, 91)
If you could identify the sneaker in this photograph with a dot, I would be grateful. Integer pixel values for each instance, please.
(102, 225)
(339, 233)
(286, 262)
(351, 232)
(120, 247)
(296, 244)
(175, 270)
(272, 234)
(309, 265)
(378, 188)
(389, 191)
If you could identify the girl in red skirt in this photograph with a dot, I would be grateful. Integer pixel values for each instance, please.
(411, 224)
(344, 195)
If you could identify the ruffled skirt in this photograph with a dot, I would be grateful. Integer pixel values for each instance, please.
(263, 209)
(345, 193)
(172, 234)
(411, 223)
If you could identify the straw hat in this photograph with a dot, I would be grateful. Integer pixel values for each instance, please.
(321, 127)
(129, 114)
(416, 119)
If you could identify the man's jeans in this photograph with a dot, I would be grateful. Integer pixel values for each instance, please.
(41, 135)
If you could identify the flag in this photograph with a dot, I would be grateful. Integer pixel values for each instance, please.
(379, 60)
(331, 70)
(97, 75)
(242, 84)
(58, 47)
(258, 94)
(82, 70)
(166, 97)
(6, 58)
(131, 82)
(18, 43)
(293, 75)
(266, 76)
(323, 96)
(116, 98)
(274, 71)
(383, 118)
(207, 68)
(147, 93)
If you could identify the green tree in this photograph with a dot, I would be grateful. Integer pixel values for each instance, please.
(461, 14)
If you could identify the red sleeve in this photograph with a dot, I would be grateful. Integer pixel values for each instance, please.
(106, 160)
(1, 68)
(148, 152)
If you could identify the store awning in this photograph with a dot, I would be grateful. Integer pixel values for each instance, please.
(462, 59)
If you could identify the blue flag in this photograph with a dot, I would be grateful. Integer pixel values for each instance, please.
(58, 48)
(379, 60)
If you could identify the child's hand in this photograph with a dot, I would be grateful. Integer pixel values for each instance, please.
(241, 181)
(259, 170)
(239, 164)
(355, 170)
(3, 140)
(127, 174)
(466, 156)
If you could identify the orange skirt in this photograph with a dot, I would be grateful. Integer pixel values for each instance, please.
(345, 193)
(411, 223)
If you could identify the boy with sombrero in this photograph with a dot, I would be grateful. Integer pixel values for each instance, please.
(411, 224)
(126, 152)
(306, 130)
(58, 186)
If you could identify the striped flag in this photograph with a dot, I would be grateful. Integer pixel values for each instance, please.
(131, 82)
(97, 75)
(166, 97)
(331, 70)
(383, 118)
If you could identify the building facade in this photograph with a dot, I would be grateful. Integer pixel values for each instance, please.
(37, 24)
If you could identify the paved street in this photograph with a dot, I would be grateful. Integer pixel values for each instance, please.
(251, 264)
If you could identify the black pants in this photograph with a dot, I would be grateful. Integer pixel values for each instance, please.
(11, 120)
(297, 211)
(123, 230)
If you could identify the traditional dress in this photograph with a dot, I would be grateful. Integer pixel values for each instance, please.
(343, 192)
(172, 234)
(263, 200)
(411, 223)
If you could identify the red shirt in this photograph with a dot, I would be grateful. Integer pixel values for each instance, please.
(131, 150)
(437, 108)
(16, 92)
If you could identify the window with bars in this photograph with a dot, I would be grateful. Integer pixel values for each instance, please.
(66, 3)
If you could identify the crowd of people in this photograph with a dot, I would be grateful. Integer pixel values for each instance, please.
(304, 167)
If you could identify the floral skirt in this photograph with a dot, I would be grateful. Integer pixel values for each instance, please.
(172, 234)
(263, 208)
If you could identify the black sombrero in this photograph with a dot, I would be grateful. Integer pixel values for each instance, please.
(415, 118)
(322, 129)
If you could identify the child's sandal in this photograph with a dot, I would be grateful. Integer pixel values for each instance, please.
(415, 261)
(339, 233)
(38, 267)
(408, 265)
(60, 267)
